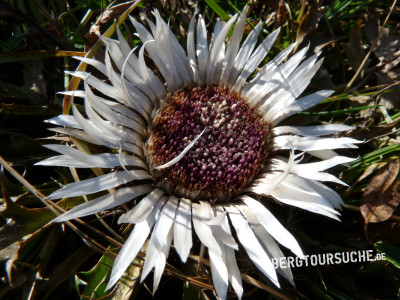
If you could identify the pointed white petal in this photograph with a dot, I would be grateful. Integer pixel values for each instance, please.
(233, 47)
(115, 51)
(140, 212)
(165, 66)
(244, 53)
(129, 251)
(125, 110)
(233, 272)
(221, 229)
(190, 45)
(122, 43)
(100, 138)
(93, 62)
(162, 259)
(80, 74)
(178, 55)
(312, 130)
(251, 245)
(314, 186)
(260, 92)
(297, 188)
(321, 165)
(103, 160)
(115, 117)
(134, 97)
(266, 240)
(292, 87)
(323, 154)
(80, 94)
(118, 133)
(99, 85)
(321, 176)
(105, 202)
(166, 220)
(268, 70)
(202, 48)
(143, 79)
(140, 98)
(310, 143)
(152, 26)
(78, 134)
(255, 59)
(160, 242)
(134, 243)
(326, 192)
(98, 183)
(219, 272)
(201, 215)
(106, 89)
(219, 217)
(149, 77)
(62, 161)
(286, 196)
(217, 30)
(215, 59)
(272, 225)
(183, 229)
(313, 170)
(64, 120)
(301, 105)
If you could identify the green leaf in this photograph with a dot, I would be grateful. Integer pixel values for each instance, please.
(336, 294)
(64, 271)
(16, 147)
(376, 156)
(359, 166)
(391, 252)
(316, 290)
(39, 54)
(20, 95)
(337, 7)
(96, 278)
(45, 111)
(217, 9)
(25, 221)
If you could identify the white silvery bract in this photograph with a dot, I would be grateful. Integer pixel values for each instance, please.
(120, 111)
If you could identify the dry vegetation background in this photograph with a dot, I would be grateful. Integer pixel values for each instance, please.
(360, 41)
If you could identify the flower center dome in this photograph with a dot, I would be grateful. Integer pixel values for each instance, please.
(226, 157)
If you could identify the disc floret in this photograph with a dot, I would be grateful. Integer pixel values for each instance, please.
(226, 157)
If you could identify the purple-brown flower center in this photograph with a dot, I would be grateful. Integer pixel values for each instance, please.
(227, 156)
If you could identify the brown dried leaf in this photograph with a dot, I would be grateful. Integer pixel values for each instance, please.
(389, 76)
(109, 15)
(274, 4)
(369, 130)
(387, 50)
(354, 50)
(387, 47)
(308, 23)
(281, 14)
(382, 196)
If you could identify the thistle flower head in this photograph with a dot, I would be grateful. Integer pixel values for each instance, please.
(199, 144)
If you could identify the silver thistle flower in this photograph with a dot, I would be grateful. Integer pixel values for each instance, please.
(198, 144)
